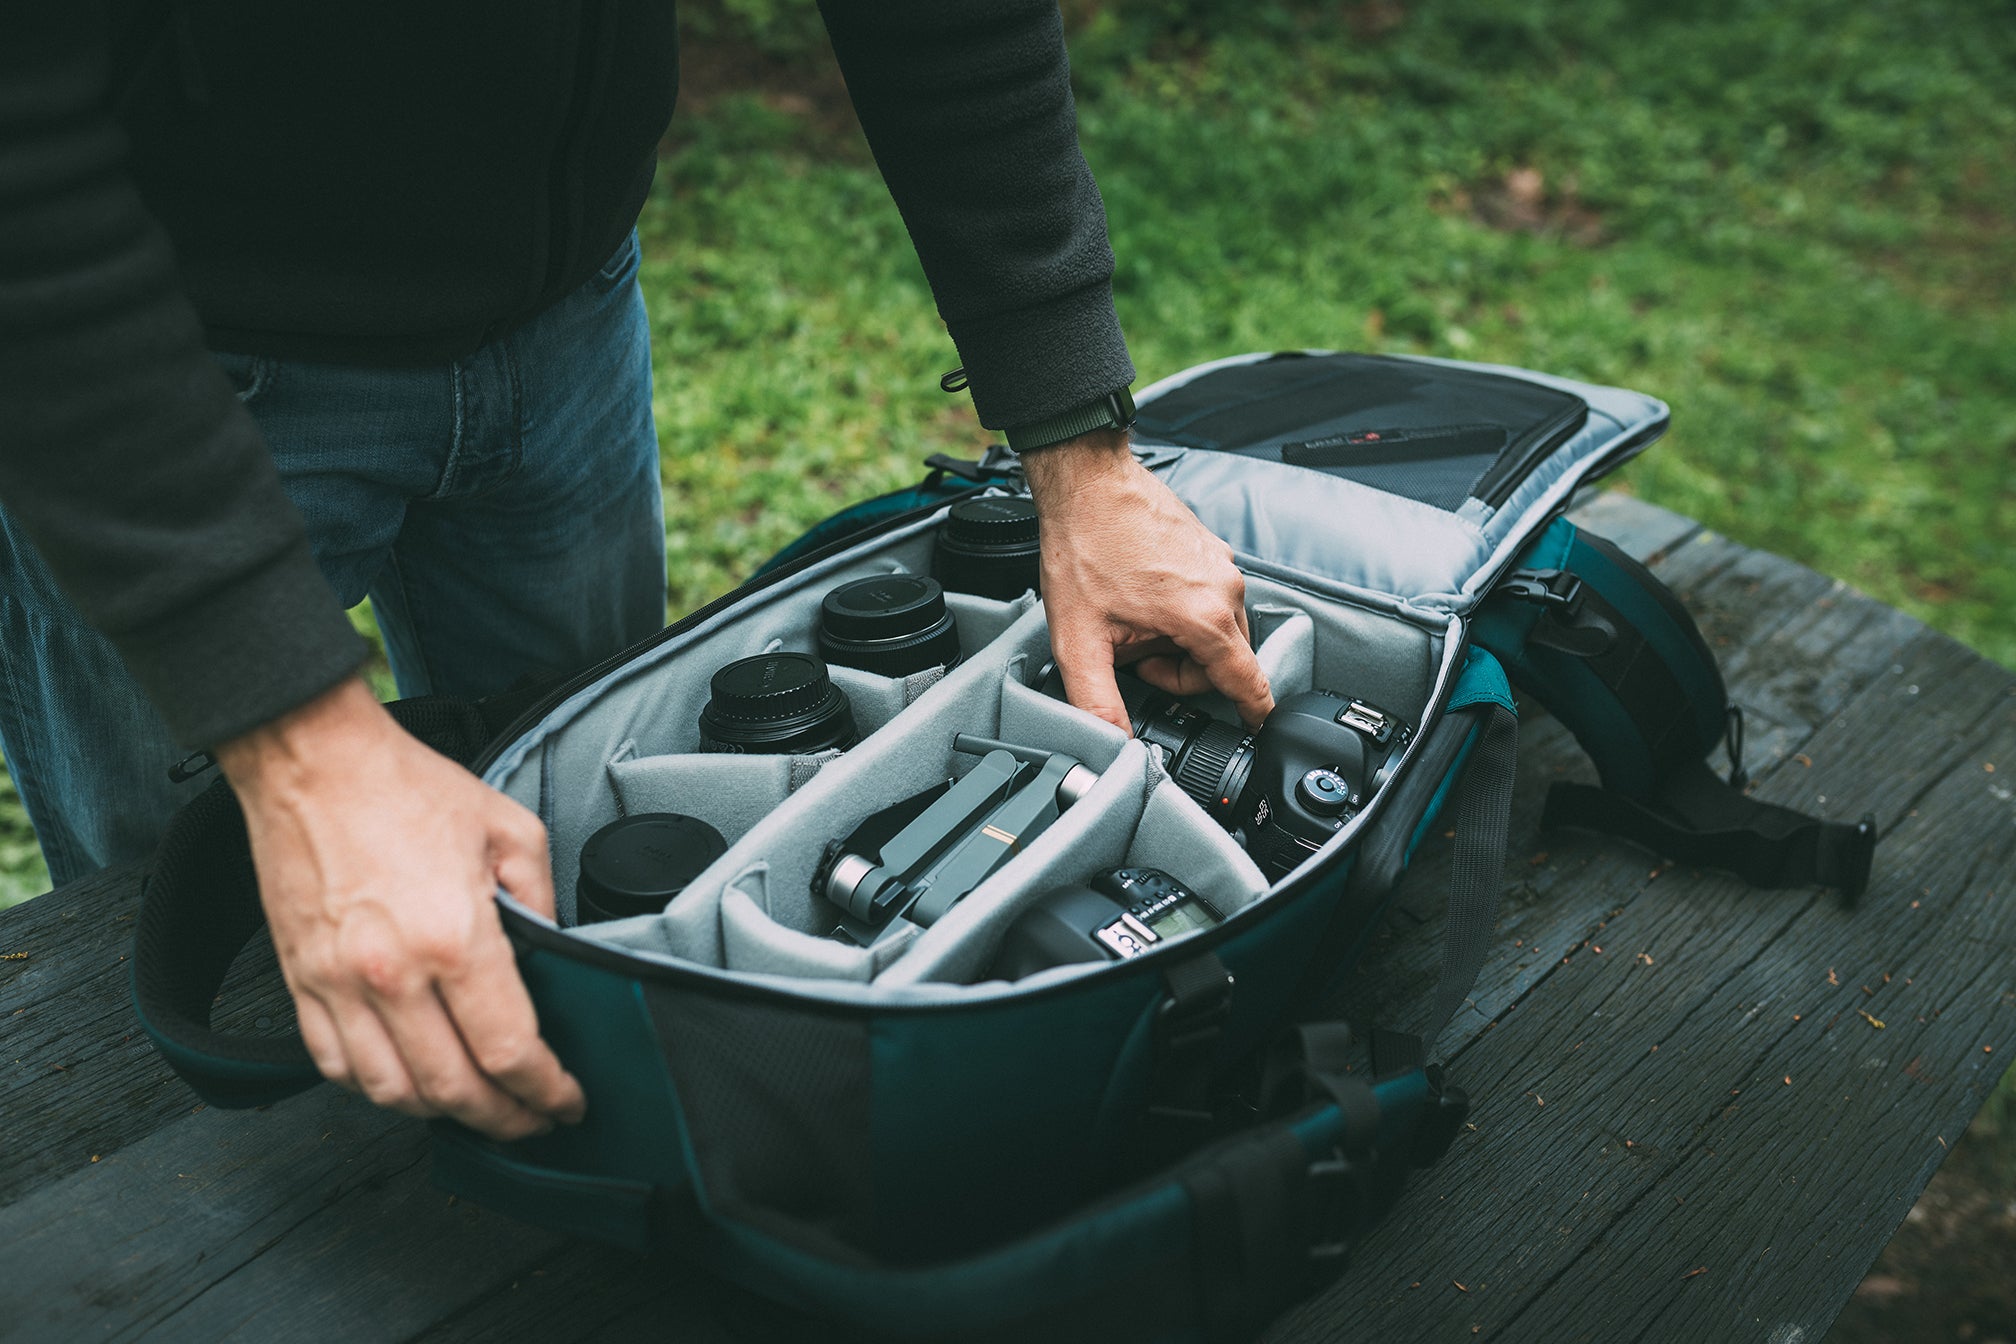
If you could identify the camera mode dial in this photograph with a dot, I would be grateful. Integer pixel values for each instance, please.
(1324, 792)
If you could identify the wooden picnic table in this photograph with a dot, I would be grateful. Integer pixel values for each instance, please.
(1700, 1110)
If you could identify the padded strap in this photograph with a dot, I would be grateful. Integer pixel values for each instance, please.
(1700, 819)
(1483, 817)
(1211, 1247)
(200, 906)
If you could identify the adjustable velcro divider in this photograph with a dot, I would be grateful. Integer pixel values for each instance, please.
(200, 906)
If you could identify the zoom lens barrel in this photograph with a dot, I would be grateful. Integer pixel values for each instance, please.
(1209, 760)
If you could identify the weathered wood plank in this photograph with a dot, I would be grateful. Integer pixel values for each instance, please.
(81, 1078)
(1573, 1212)
(313, 1222)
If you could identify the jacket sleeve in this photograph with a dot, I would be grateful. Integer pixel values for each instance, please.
(124, 453)
(967, 106)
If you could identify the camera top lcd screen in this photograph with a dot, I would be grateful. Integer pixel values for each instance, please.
(1180, 918)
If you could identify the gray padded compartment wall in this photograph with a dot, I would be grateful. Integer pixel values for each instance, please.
(1284, 518)
(626, 747)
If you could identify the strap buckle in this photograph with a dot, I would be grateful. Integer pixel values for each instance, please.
(1338, 1201)
(1556, 589)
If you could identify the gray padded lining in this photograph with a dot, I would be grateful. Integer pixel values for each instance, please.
(753, 911)
(1284, 519)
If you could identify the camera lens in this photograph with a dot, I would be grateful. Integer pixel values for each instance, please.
(776, 704)
(636, 865)
(891, 625)
(988, 547)
(1209, 760)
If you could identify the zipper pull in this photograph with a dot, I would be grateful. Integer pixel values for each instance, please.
(955, 381)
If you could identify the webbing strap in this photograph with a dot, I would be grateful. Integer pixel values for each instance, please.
(1483, 815)
(1699, 818)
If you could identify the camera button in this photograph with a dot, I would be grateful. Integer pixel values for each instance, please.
(1323, 792)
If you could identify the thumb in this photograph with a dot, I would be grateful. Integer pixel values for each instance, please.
(1086, 663)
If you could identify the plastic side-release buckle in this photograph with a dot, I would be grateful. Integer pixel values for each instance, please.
(1338, 1209)
(1554, 588)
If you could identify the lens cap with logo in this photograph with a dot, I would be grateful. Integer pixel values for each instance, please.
(988, 547)
(892, 625)
(636, 865)
(776, 704)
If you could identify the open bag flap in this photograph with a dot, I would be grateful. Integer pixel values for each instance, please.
(1394, 479)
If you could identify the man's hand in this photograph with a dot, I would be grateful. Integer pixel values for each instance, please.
(1129, 572)
(378, 861)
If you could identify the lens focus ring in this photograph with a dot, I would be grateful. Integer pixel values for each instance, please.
(1213, 770)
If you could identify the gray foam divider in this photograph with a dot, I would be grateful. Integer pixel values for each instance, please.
(754, 942)
(1176, 836)
(1284, 641)
(885, 768)
(1373, 655)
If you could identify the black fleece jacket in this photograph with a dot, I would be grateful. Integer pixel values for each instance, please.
(394, 182)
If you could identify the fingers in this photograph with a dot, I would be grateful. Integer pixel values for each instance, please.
(1235, 673)
(445, 1079)
(325, 1044)
(1177, 673)
(518, 849)
(500, 1031)
(1085, 660)
(1221, 658)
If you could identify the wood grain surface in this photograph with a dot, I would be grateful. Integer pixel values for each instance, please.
(1700, 1110)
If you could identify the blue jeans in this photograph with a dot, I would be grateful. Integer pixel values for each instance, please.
(502, 512)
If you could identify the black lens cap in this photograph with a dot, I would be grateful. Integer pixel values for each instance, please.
(782, 703)
(636, 865)
(893, 625)
(989, 547)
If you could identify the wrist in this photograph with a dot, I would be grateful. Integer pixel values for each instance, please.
(1064, 471)
(291, 750)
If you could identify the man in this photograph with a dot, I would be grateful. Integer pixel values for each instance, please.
(401, 234)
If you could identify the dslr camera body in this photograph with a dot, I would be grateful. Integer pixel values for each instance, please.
(1316, 760)
(1289, 786)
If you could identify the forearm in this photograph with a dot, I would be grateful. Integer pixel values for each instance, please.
(967, 105)
(123, 453)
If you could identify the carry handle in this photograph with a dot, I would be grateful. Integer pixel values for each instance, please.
(199, 908)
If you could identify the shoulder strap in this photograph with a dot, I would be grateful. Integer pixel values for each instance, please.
(1610, 651)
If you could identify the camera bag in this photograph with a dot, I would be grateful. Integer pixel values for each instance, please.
(1172, 1145)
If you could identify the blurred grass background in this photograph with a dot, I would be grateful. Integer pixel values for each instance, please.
(1796, 223)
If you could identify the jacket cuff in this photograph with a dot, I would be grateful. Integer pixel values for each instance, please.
(1032, 363)
(245, 653)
